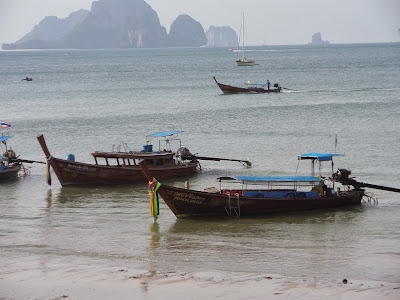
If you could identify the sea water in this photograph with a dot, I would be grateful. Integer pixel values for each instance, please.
(94, 100)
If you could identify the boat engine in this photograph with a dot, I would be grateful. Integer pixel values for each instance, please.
(343, 176)
(10, 154)
(185, 154)
(276, 85)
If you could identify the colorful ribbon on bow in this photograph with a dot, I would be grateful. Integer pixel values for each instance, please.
(154, 204)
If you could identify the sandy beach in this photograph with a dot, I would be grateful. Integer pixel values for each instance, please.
(26, 283)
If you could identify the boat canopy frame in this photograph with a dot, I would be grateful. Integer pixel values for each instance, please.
(273, 182)
(318, 157)
(169, 136)
(133, 159)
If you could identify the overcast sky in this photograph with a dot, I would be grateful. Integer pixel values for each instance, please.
(273, 22)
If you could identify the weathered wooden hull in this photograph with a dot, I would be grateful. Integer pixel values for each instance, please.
(10, 172)
(188, 203)
(228, 89)
(76, 173)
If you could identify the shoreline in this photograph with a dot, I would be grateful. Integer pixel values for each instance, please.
(69, 283)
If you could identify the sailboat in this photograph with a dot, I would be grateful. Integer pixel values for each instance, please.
(244, 61)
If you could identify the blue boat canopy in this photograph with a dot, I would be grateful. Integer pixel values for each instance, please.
(4, 138)
(275, 178)
(164, 133)
(319, 156)
(257, 84)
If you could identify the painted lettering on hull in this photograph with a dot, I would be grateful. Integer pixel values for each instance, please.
(187, 197)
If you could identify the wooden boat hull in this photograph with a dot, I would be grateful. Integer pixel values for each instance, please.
(10, 172)
(228, 89)
(70, 172)
(76, 173)
(188, 203)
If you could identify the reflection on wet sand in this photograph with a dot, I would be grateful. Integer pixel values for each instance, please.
(154, 245)
(93, 193)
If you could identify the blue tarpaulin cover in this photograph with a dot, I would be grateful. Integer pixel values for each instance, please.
(3, 138)
(278, 178)
(259, 84)
(165, 133)
(319, 156)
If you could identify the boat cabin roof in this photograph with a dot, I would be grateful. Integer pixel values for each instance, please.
(4, 138)
(133, 155)
(275, 179)
(319, 156)
(165, 138)
(164, 134)
(256, 84)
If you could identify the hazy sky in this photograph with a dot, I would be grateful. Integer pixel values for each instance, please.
(274, 22)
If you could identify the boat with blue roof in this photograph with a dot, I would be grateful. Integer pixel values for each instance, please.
(248, 196)
(121, 165)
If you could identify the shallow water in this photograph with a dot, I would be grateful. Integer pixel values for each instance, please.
(93, 99)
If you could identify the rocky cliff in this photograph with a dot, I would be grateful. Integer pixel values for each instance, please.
(221, 37)
(118, 24)
(317, 40)
(49, 30)
(186, 32)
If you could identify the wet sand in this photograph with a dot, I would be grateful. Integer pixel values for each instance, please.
(25, 283)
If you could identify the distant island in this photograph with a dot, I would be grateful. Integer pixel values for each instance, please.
(317, 40)
(221, 37)
(121, 24)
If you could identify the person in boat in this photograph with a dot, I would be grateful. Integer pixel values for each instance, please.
(268, 84)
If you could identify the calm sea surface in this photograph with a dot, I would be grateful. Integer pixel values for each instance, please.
(91, 100)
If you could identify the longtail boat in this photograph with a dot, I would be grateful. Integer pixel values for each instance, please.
(250, 88)
(119, 167)
(8, 167)
(260, 195)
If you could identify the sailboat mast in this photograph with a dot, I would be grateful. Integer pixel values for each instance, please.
(243, 34)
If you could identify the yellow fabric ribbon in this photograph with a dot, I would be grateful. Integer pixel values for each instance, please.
(154, 204)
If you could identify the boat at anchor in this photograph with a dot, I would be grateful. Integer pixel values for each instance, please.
(243, 60)
(122, 167)
(251, 196)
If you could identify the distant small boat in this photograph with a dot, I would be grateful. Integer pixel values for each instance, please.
(244, 61)
(251, 88)
(27, 79)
